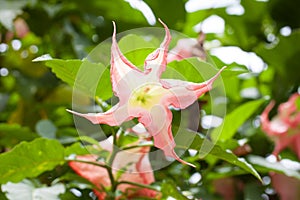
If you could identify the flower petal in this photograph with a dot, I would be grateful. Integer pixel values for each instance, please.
(113, 117)
(95, 174)
(121, 68)
(137, 168)
(158, 124)
(184, 93)
(275, 127)
(156, 62)
(286, 187)
(188, 47)
(288, 111)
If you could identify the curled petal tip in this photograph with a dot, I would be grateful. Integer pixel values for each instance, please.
(161, 22)
(114, 31)
(165, 26)
(73, 112)
(69, 111)
(223, 68)
(174, 155)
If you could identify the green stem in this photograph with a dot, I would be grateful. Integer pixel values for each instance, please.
(88, 162)
(115, 150)
(136, 146)
(138, 184)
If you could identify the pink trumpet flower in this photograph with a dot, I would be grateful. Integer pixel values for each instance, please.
(188, 47)
(285, 127)
(129, 165)
(143, 95)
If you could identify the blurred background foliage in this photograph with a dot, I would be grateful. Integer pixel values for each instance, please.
(33, 100)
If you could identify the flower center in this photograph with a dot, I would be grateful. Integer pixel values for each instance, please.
(147, 95)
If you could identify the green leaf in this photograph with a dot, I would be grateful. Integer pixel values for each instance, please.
(136, 48)
(298, 104)
(266, 166)
(187, 139)
(244, 30)
(12, 134)
(88, 140)
(235, 119)
(190, 69)
(77, 149)
(284, 57)
(30, 159)
(195, 70)
(90, 78)
(172, 12)
(169, 189)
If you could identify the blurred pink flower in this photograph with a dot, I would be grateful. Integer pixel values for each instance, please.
(188, 47)
(284, 128)
(286, 187)
(143, 95)
(133, 165)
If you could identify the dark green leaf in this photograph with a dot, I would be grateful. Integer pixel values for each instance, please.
(169, 189)
(284, 57)
(12, 134)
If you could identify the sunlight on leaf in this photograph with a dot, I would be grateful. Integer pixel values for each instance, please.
(29, 159)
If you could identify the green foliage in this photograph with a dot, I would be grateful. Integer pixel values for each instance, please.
(169, 189)
(205, 147)
(264, 165)
(12, 134)
(83, 76)
(37, 134)
(41, 153)
(236, 119)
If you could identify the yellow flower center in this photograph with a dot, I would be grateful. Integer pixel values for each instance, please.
(147, 95)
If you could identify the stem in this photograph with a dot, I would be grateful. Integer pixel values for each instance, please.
(114, 152)
(88, 162)
(115, 149)
(138, 184)
(136, 146)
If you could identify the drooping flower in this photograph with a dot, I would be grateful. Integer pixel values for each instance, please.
(286, 187)
(143, 95)
(284, 128)
(133, 165)
(188, 47)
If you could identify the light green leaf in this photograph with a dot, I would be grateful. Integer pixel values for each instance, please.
(30, 159)
(76, 148)
(136, 48)
(195, 70)
(90, 78)
(264, 166)
(235, 119)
